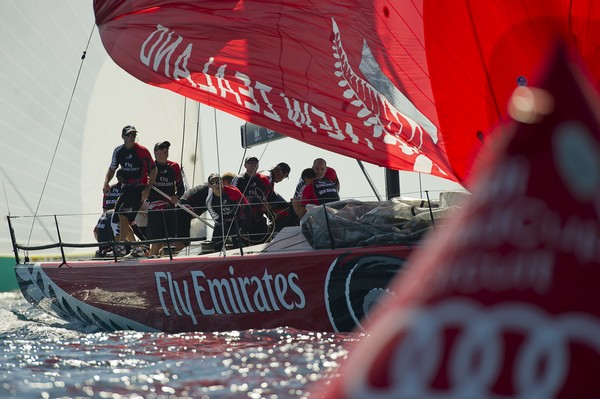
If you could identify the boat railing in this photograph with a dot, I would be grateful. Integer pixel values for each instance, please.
(326, 228)
(61, 245)
(56, 240)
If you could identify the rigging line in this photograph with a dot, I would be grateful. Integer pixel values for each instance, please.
(6, 198)
(196, 146)
(62, 128)
(183, 130)
(183, 176)
(266, 202)
(239, 204)
(223, 235)
(217, 142)
(259, 157)
(23, 199)
(366, 174)
(242, 161)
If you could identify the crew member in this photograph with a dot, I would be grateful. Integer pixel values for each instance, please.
(317, 192)
(139, 173)
(162, 220)
(256, 188)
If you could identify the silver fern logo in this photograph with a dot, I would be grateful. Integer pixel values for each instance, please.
(381, 105)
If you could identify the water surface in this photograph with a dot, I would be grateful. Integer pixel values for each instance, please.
(45, 357)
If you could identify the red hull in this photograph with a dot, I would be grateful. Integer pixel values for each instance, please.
(324, 290)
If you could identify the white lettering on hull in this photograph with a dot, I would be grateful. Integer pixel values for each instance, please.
(232, 295)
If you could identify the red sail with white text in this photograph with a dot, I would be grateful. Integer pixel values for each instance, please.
(409, 85)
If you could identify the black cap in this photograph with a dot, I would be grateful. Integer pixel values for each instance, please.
(129, 129)
(250, 159)
(285, 168)
(161, 144)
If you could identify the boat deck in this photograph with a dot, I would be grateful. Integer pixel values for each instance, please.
(289, 239)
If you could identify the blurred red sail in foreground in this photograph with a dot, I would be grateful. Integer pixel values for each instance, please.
(409, 85)
(506, 303)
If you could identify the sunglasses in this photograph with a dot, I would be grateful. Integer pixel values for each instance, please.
(162, 148)
(129, 134)
(214, 181)
(252, 162)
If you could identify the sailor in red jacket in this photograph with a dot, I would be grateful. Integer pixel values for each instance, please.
(323, 172)
(316, 192)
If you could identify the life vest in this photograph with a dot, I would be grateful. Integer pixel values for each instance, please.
(325, 191)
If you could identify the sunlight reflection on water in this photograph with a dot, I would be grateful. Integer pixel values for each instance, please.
(45, 357)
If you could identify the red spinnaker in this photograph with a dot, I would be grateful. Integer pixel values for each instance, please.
(410, 85)
(502, 302)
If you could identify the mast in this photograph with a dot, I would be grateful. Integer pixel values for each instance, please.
(392, 183)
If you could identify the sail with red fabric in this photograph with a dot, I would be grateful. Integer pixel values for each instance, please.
(506, 304)
(409, 85)
(413, 85)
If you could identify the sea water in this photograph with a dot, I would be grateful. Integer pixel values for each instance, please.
(45, 357)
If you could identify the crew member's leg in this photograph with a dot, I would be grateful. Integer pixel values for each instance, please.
(127, 207)
(218, 237)
(183, 222)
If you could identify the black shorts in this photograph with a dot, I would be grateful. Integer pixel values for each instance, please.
(129, 202)
(159, 227)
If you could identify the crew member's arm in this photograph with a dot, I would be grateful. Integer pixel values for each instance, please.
(299, 208)
(151, 178)
(179, 187)
(299, 203)
(110, 173)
